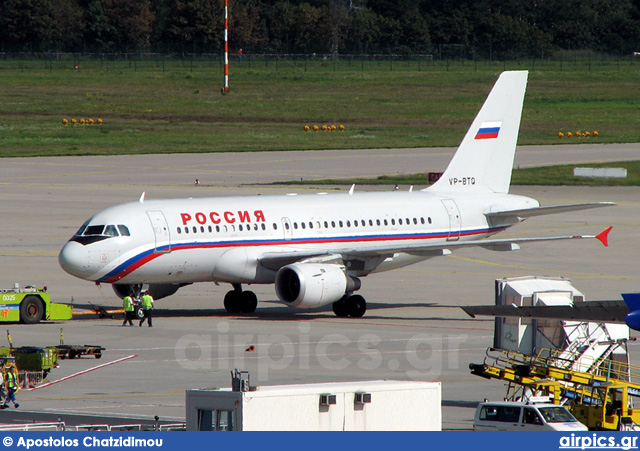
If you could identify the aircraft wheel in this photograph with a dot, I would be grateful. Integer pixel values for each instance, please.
(340, 308)
(232, 302)
(248, 301)
(356, 305)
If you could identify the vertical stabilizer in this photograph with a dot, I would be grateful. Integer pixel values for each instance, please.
(485, 157)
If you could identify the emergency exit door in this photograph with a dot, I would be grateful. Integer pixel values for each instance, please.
(455, 222)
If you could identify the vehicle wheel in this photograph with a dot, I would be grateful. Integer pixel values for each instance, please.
(31, 310)
(340, 308)
(248, 302)
(232, 302)
(139, 313)
(356, 305)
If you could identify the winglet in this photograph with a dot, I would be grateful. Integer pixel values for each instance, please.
(604, 235)
(141, 200)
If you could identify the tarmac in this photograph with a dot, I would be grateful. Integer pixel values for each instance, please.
(413, 328)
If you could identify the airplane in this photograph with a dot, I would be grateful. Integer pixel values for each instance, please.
(626, 311)
(316, 248)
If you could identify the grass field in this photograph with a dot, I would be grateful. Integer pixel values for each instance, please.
(162, 107)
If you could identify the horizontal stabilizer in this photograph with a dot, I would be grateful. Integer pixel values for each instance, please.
(540, 211)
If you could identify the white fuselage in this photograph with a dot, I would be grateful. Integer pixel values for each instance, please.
(225, 239)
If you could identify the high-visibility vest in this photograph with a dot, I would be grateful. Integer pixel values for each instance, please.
(11, 379)
(147, 302)
(127, 304)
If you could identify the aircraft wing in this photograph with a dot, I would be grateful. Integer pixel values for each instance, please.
(380, 250)
(605, 311)
(540, 211)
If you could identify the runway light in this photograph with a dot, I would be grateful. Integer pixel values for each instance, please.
(90, 121)
(341, 127)
(595, 134)
(74, 121)
(324, 127)
(65, 121)
(306, 128)
(560, 135)
(569, 134)
(587, 134)
(315, 128)
(99, 121)
(578, 134)
(82, 121)
(333, 128)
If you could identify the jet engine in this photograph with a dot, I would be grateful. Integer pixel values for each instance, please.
(309, 285)
(157, 291)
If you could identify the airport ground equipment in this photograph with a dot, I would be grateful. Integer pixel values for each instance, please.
(30, 305)
(33, 363)
(351, 406)
(73, 351)
(599, 396)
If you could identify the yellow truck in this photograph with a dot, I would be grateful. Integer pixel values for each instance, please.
(30, 305)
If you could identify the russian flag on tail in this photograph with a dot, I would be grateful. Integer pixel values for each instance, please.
(488, 130)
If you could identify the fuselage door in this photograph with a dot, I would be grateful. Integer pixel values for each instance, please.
(286, 228)
(160, 231)
(455, 222)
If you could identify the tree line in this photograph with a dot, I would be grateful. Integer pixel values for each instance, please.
(449, 28)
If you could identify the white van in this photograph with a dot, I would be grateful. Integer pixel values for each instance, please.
(519, 416)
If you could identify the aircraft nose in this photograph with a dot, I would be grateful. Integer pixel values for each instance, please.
(74, 259)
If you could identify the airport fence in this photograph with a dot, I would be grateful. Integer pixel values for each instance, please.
(277, 62)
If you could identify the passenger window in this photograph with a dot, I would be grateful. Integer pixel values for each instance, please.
(340, 223)
(303, 225)
(286, 225)
(275, 226)
(415, 221)
(348, 223)
(195, 229)
(202, 229)
(386, 222)
(240, 227)
(264, 227)
(111, 230)
(179, 230)
(509, 414)
(377, 222)
(326, 225)
(400, 221)
(531, 416)
(295, 225)
(489, 413)
(393, 222)
(186, 230)
(210, 229)
(371, 222)
(124, 230)
(217, 228)
(333, 224)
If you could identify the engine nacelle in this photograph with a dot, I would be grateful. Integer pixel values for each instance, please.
(309, 285)
(157, 291)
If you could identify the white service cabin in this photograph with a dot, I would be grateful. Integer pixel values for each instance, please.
(335, 406)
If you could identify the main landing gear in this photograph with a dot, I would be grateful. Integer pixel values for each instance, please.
(350, 305)
(238, 301)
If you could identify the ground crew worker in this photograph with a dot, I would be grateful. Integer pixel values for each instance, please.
(12, 385)
(127, 305)
(147, 308)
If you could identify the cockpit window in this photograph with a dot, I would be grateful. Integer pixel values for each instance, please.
(93, 230)
(111, 230)
(92, 233)
(124, 230)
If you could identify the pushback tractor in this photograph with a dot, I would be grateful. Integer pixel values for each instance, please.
(30, 305)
